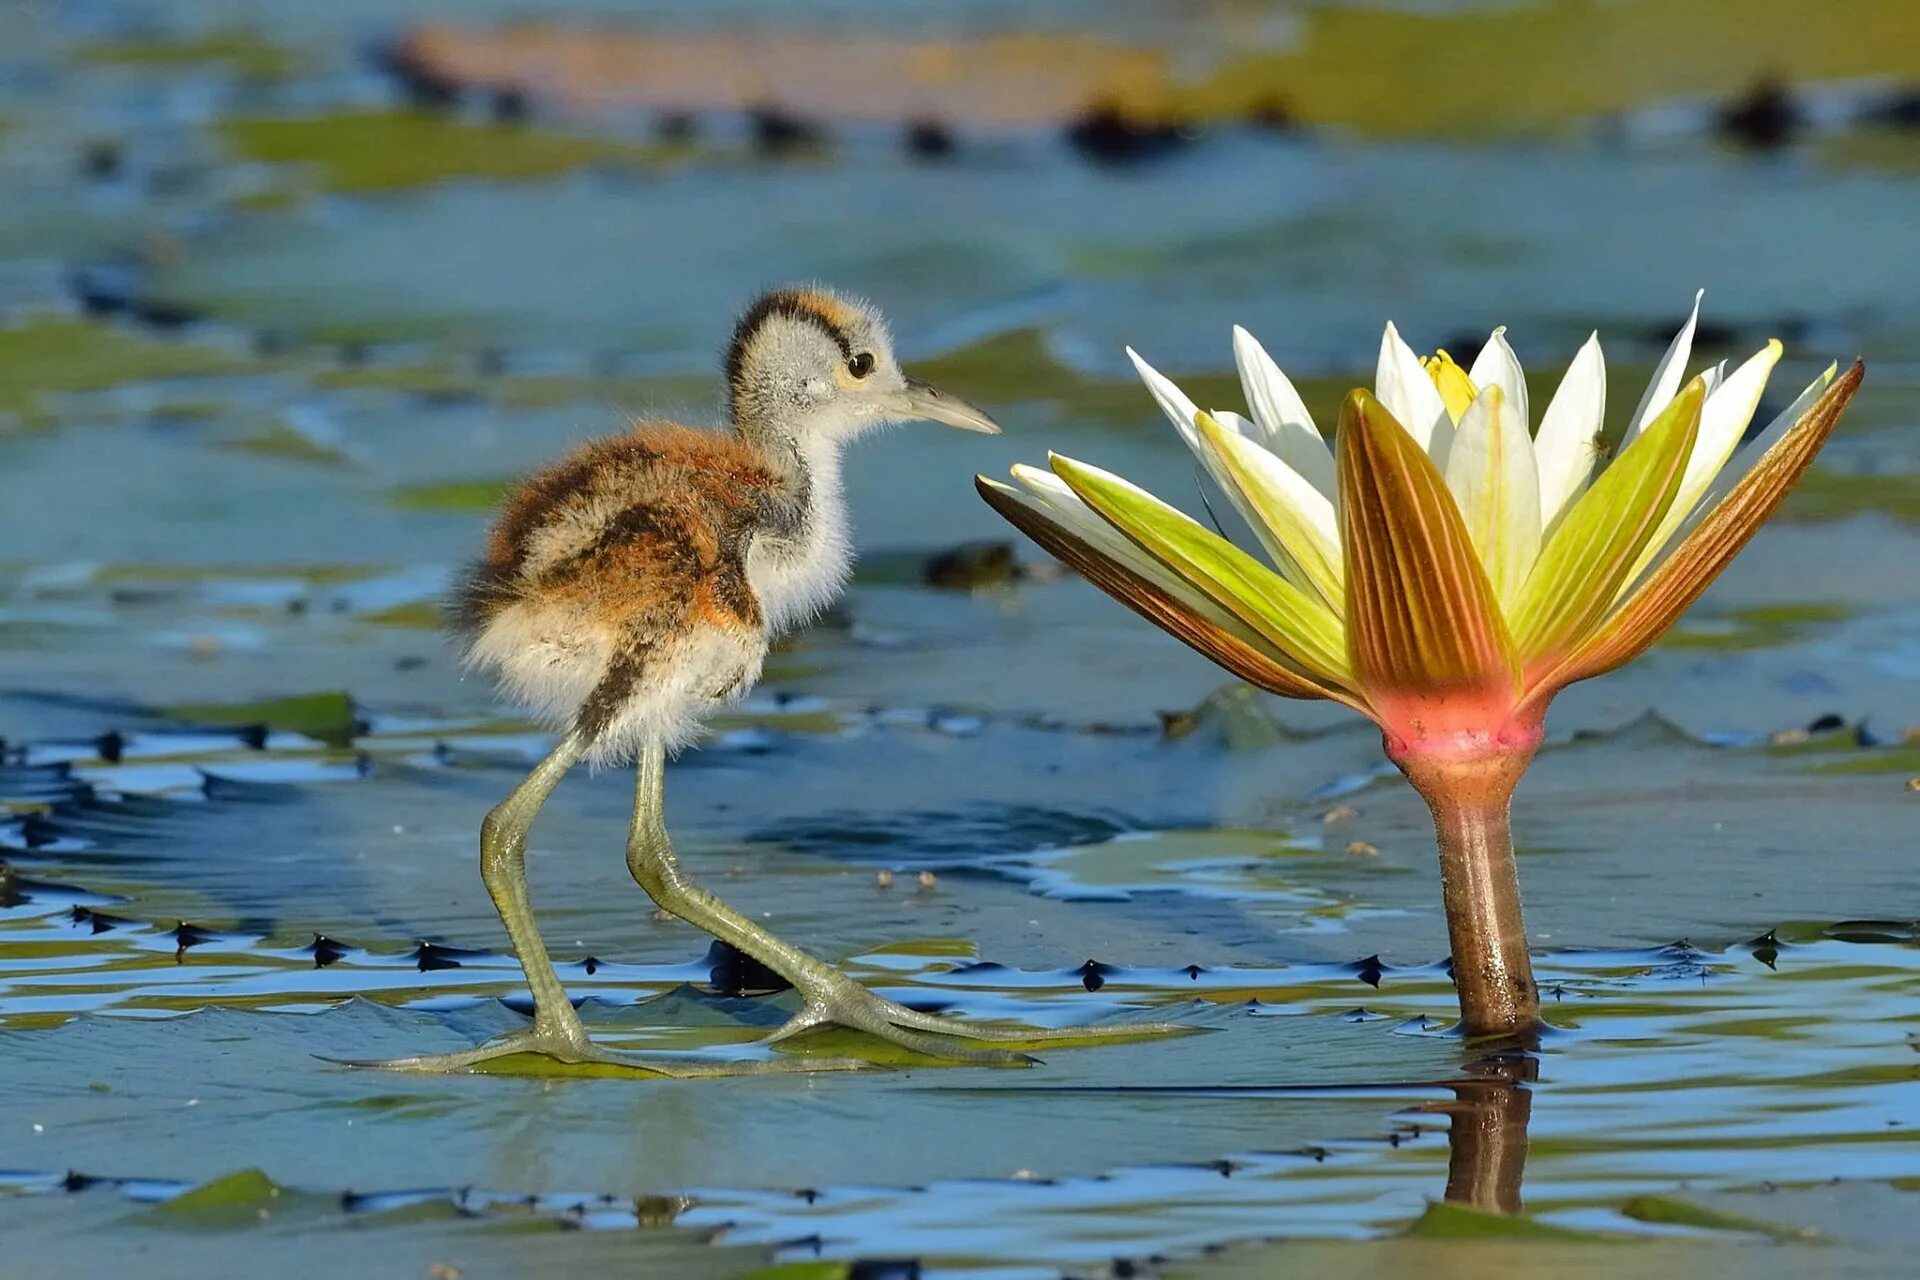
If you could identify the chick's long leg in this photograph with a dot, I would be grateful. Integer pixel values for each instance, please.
(830, 996)
(557, 1031)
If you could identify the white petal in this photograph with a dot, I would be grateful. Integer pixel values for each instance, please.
(1492, 475)
(1668, 375)
(1568, 442)
(1296, 517)
(1497, 366)
(1730, 475)
(1409, 395)
(1182, 412)
(1270, 395)
(1173, 401)
(1277, 407)
(1723, 420)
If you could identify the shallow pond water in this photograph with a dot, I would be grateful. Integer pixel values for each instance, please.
(259, 384)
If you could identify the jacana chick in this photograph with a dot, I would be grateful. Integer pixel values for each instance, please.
(630, 590)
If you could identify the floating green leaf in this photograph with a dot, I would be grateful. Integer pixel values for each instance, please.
(1676, 1212)
(330, 717)
(1445, 1220)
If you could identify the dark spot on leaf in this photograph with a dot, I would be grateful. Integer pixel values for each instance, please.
(431, 956)
(188, 935)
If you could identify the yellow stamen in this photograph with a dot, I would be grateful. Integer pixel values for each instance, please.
(1456, 388)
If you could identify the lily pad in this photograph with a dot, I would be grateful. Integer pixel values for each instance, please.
(330, 717)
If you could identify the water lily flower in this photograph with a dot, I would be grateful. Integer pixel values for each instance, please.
(1442, 566)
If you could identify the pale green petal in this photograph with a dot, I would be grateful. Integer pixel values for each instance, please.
(1668, 375)
(1721, 530)
(1293, 619)
(1731, 473)
(1407, 392)
(1723, 420)
(1783, 422)
(1569, 440)
(1497, 366)
(1492, 476)
(1050, 495)
(1289, 429)
(1296, 514)
(1592, 552)
(1207, 629)
(1240, 425)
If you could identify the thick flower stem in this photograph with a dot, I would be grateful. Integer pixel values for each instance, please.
(1480, 887)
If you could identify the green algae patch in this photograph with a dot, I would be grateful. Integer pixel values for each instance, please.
(1903, 759)
(1832, 495)
(1673, 1211)
(239, 1199)
(1444, 1220)
(232, 48)
(359, 153)
(1017, 367)
(1759, 627)
(51, 355)
(284, 442)
(1388, 71)
(415, 615)
(330, 717)
(457, 495)
(319, 575)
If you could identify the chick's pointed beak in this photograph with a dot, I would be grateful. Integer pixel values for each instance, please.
(924, 402)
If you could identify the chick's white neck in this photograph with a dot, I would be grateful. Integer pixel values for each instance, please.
(797, 571)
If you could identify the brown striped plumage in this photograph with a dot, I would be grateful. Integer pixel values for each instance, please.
(659, 520)
(634, 546)
(631, 587)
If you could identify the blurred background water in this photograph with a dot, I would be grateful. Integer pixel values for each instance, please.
(288, 292)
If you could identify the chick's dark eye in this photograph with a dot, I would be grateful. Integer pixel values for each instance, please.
(861, 365)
